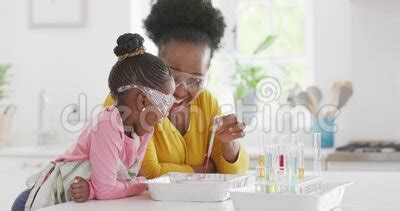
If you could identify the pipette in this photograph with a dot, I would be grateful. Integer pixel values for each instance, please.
(211, 142)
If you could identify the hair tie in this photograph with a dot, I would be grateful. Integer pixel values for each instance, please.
(137, 52)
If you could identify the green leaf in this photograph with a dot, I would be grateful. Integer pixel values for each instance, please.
(269, 40)
(3, 73)
(240, 91)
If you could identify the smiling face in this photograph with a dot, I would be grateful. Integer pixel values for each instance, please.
(152, 114)
(187, 58)
(138, 108)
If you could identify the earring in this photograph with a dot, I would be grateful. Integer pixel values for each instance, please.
(143, 109)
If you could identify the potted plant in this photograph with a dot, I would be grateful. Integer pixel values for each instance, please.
(246, 78)
(6, 115)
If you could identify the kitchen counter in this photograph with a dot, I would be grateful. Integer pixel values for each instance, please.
(50, 150)
(370, 191)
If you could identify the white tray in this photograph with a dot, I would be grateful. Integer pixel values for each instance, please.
(249, 198)
(196, 187)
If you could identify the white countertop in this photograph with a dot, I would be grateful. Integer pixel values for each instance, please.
(370, 191)
(51, 150)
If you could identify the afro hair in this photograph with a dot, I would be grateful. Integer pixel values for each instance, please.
(185, 20)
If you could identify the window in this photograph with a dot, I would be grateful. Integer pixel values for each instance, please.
(248, 24)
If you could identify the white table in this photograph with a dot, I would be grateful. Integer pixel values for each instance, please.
(370, 191)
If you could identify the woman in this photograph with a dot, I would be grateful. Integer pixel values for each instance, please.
(187, 32)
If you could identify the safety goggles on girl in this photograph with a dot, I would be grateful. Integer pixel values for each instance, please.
(160, 100)
(192, 82)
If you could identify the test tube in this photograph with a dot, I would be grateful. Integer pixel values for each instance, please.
(300, 160)
(271, 161)
(272, 167)
(291, 163)
(260, 168)
(295, 139)
(282, 160)
(275, 140)
(317, 153)
(261, 157)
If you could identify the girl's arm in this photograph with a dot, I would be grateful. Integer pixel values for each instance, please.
(104, 153)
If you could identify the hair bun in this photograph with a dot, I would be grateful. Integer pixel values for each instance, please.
(128, 43)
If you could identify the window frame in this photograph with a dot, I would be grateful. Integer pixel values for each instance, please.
(229, 9)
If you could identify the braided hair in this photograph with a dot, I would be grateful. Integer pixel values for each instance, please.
(136, 66)
(193, 21)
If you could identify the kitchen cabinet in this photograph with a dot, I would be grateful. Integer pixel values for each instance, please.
(15, 171)
(17, 164)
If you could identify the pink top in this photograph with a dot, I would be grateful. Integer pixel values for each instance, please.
(103, 142)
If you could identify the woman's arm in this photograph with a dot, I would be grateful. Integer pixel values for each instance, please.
(151, 167)
(228, 132)
(211, 168)
(230, 151)
(239, 166)
(228, 155)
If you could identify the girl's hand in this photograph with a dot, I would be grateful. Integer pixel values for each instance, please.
(229, 128)
(80, 190)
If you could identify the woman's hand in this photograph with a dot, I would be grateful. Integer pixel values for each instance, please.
(228, 131)
(211, 168)
(229, 128)
(80, 190)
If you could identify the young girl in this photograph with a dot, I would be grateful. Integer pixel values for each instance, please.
(142, 86)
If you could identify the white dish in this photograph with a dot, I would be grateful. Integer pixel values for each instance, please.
(196, 187)
(249, 198)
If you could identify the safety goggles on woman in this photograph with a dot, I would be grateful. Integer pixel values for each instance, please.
(192, 82)
(159, 100)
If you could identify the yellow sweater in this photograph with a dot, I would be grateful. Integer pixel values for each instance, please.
(169, 151)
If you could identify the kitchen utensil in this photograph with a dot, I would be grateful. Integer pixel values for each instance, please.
(315, 94)
(346, 92)
(341, 93)
(288, 97)
(336, 93)
(303, 98)
(9, 111)
(314, 103)
(285, 99)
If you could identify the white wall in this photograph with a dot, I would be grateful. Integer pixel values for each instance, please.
(375, 65)
(64, 62)
(357, 40)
